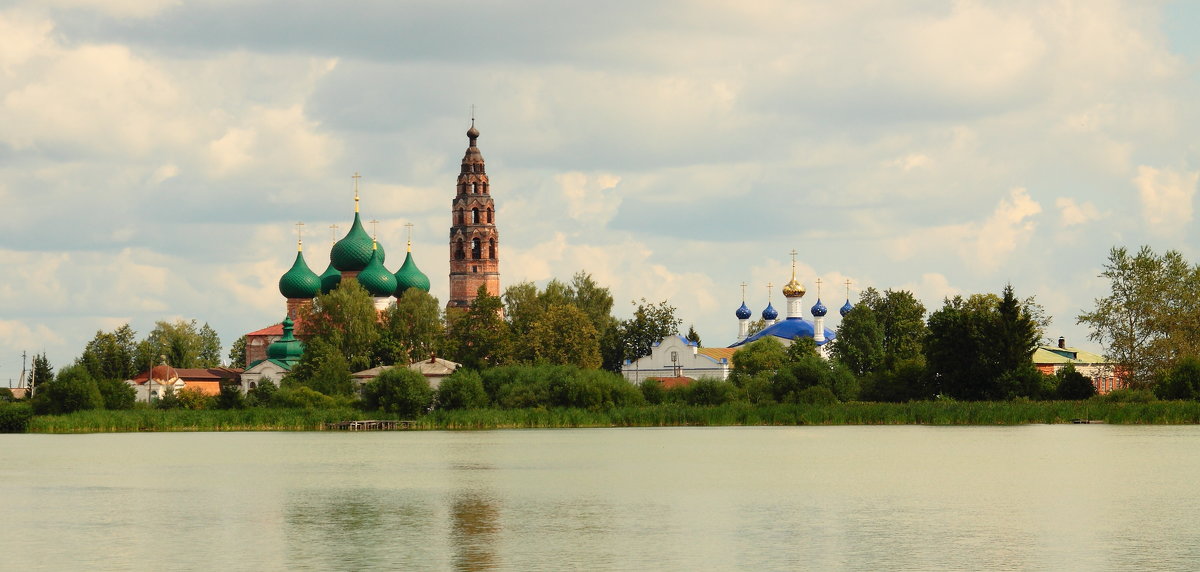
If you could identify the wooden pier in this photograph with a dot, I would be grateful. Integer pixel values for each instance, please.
(369, 425)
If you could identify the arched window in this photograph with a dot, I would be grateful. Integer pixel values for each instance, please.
(489, 214)
(474, 216)
(492, 249)
(475, 248)
(460, 216)
(459, 254)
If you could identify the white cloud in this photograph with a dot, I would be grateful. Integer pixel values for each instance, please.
(983, 245)
(1072, 213)
(590, 199)
(1166, 197)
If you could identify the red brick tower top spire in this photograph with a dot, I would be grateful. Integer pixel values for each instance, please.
(474, 248)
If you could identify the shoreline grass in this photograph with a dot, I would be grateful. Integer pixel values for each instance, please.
(665, 415)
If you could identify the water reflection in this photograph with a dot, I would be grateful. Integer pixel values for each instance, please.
(358, 528)
(475, 524)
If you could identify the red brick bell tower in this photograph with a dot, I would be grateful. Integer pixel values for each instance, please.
(474, 242)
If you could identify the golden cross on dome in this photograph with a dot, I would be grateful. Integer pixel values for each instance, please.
(769, 285)
(409, 226)
(818, 288)
(374, 228)
(744, 285)
(793, 253)
(847, 288)
(333, 233)
(299, 236)
(356, 177)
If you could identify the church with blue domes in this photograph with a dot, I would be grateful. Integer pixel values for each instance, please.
(794, 326)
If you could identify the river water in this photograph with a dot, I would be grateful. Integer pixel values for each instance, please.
(1063, 497)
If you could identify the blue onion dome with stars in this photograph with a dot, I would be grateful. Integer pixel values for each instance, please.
(744, 313)
(770, 313)
(846, 308)
(819, 310)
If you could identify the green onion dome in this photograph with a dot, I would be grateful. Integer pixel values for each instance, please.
(354, 251)
(300, 281)
(330, 279)
(376, 279)
(287, 348)
(409, 276)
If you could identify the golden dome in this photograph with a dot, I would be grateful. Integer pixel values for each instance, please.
(794, 289)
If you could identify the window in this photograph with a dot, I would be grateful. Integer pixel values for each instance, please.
(492, 249)
(458, 251)
(475, 248)
(489, 216)
(474, 216)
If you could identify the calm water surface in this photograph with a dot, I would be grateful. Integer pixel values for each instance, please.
(794, 498)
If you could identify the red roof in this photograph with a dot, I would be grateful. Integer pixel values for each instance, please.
(275, 330)
(164, 372)
(673, 382)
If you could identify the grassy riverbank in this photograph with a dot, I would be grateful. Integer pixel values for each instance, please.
(667, 415)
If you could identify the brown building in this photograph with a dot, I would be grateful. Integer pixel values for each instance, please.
(474, 248)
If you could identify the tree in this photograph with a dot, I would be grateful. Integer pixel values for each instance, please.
(230, 397)
(73, 390)
(413, 329)
(650, 324)
(563, 336)
(982, 347)
(398, 390)
(1151, 317)
(322, 368)
(183, 344)
(479, 336)
(1182, 382)
(116, 394)
(237, 353)
(346, 319)
(765, 355)
(859, 342)
(901, 319)
(111, 355)
(462, 389)
(40, 372)
(692, 336)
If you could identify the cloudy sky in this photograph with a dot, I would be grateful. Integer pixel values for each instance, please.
(155, 155)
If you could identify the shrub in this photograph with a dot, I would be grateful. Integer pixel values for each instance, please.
(116, 394)
(14, 417)
(168, 400)
(1127, 396)
(262, 395)
(301, 397)
(194, 398)
(652, 391)
(463, 389)
(1072, 385)
(816, 395)
(230, 397)
(706, 391)
(398, 390)
(6, 394)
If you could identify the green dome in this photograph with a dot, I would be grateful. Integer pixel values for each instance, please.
(409, 276)
(287, 348)
(330, 279)
(300, 281)
(376, 279)
(353, 252)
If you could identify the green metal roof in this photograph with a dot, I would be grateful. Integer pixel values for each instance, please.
(1063, 356)
(330, 279)
(376, 279)
(409, 276)
(354, 251)
(300, 281)
(288, 348)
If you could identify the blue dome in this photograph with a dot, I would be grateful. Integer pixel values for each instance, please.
(819, 310)
(846, 308)
(789, 329)
(744, 313)
(770, 313)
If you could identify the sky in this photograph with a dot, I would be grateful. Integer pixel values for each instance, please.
(155, 155)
